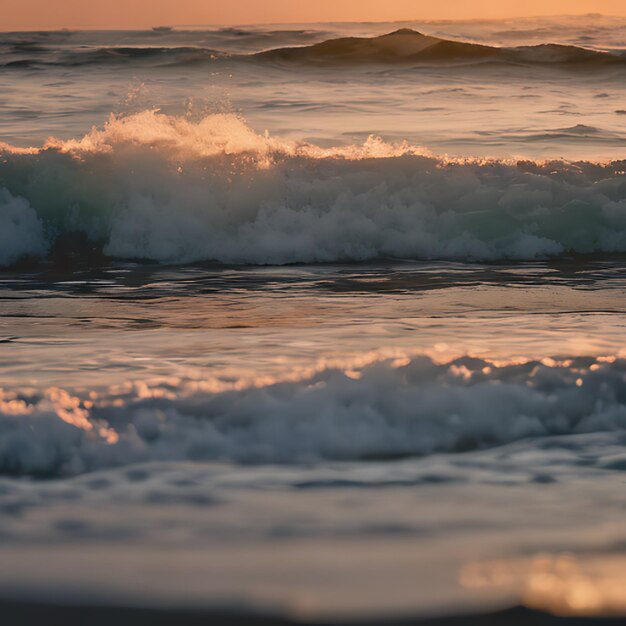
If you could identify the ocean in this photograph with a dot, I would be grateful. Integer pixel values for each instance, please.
(322, 322)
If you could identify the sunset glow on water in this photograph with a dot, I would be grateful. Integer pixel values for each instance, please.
(315, 321)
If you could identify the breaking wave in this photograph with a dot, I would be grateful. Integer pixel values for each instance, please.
(152, 186)
(382, 410)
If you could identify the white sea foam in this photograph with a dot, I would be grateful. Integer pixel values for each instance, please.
(21, 231)
(169, 189)
(382, 410)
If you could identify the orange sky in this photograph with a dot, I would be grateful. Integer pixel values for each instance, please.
(29, 14)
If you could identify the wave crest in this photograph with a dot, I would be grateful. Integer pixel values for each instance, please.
(406, 46)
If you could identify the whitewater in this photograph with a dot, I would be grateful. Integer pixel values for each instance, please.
(149, 186)
(317, 322)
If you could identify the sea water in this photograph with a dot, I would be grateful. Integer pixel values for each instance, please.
(309, 334)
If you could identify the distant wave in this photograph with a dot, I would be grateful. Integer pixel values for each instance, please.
(411, 47)
(152, 186)
(152, 55)
(383, 410)
(402, 47)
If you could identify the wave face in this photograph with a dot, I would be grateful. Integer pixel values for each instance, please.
(150, 186)
(409, 46)
(380, 411)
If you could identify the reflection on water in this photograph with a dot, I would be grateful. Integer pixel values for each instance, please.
(122, 321)
(562, 584)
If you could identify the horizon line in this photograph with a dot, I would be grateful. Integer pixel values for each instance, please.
(319, 22)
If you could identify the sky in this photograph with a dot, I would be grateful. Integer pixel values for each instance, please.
(38, 14)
